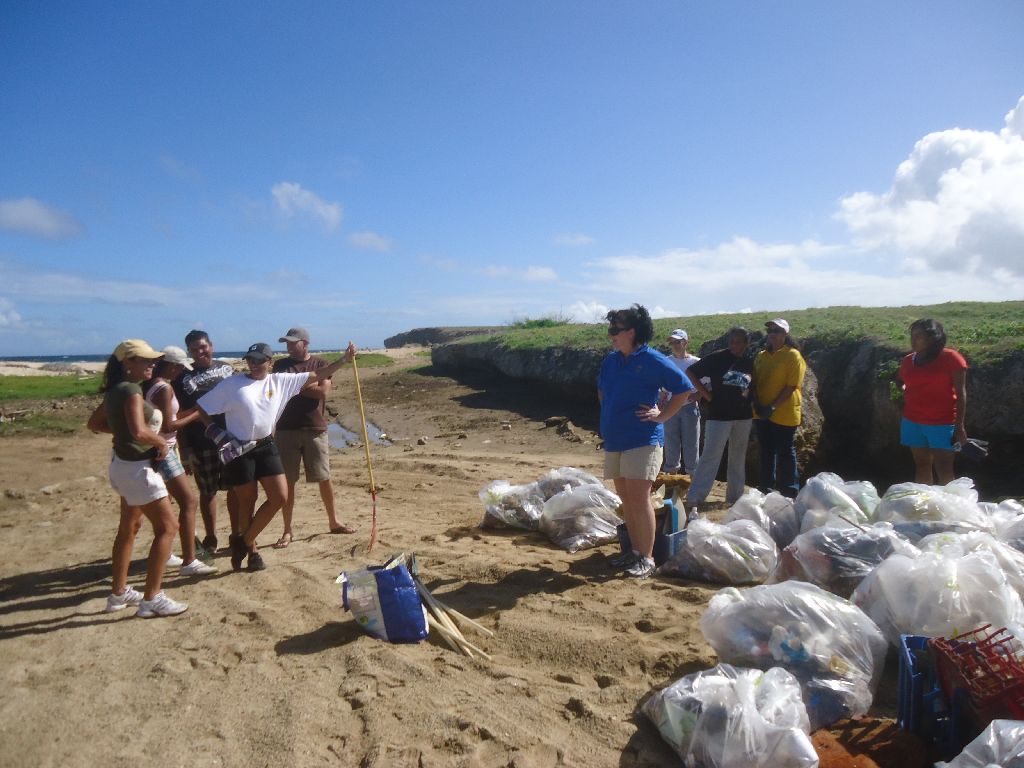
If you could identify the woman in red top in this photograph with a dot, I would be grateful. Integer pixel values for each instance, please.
(934, 402)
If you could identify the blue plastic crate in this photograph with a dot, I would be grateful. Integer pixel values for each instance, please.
(922, 707)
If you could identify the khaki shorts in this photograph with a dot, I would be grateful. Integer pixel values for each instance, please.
(313, 449)
(643, 463)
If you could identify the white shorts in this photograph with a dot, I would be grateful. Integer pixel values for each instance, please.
(136, 481)
(643, 463)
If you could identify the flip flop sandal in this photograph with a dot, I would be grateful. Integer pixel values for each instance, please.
(343, 529)
(284, 541)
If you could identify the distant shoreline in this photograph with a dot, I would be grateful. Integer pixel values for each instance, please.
(68, 365)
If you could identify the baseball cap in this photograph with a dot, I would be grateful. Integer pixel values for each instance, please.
(177, 356)
(779, 322)
(295, 334)
(679, 335)
(135, 348)
(259, 352)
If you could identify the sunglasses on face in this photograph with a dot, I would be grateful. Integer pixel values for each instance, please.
(615, 330)
(775, 330)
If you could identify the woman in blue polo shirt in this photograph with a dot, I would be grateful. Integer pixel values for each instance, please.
(628, 386)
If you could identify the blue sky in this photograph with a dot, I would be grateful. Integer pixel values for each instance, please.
(363, 169)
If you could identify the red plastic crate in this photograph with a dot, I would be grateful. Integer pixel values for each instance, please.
(982, 669)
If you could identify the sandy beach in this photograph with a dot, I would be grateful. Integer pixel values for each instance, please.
(266, 669)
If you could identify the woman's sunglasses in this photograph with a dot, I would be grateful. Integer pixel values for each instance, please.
(614, 330)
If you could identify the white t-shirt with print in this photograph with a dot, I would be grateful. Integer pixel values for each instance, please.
(251, 408)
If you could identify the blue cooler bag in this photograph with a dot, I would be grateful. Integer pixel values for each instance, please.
(385, 602)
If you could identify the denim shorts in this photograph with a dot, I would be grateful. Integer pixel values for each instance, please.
(938, 437)
(171, 466)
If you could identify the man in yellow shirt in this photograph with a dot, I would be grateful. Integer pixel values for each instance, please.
(778, 374)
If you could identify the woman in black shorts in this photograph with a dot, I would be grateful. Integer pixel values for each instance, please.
(251, 403)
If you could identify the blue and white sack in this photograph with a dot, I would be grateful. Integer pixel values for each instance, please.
(385, 602)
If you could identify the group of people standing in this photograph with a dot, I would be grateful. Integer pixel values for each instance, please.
(641, 389)
(171, 416)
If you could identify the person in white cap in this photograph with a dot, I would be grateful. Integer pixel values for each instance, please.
(301, 433)
(160, 395)
(779, 371)
(126, 415)
(682, 431)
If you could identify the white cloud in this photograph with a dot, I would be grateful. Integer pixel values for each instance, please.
(588, 311)
(531, 274)
(32, 217)
(292, 200)
(574, 239)
(539, 274)
(57, 287)
(660, 311)
(743, 274)
(956, 203)
(9, 317)
(370, 241)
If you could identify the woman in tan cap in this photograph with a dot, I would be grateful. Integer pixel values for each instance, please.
(135, 425)
(160, 394)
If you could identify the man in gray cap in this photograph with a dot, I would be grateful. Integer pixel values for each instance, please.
(301, 433)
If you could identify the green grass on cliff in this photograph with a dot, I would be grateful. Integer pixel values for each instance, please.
(981, 330)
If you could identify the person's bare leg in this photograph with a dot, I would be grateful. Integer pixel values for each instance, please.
(235, 511)
(922, 465)
(121, 555)
(327, 494)
(286, 513)
(165, 528)
(181, 491)
(636, 501)
(276, 488)
(208, 510)
(245, 502)
(943, 463)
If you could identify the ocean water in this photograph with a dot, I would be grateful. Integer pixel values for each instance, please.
(103, 358)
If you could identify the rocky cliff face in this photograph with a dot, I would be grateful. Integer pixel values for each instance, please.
(851, 421)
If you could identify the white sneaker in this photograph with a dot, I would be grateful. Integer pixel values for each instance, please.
(641, 569)
(197, 568)
(130, 596)
(161, 605)
(174, 561)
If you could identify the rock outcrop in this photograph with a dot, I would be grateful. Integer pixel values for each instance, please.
(851, 408)
(428, 337)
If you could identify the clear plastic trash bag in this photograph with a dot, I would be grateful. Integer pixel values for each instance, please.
(773, 512)
(822, 494)
(581, 517)
(829, 644)
(737, 552)
(917, 510)
(512, 506)
(1000, 745)
(1007, 521)
(564, 478)
(935, 595)
(837, 556)
(956, 545)
(727, 717)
